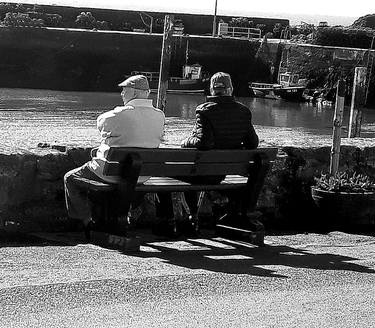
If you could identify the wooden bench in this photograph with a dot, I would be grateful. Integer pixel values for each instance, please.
(244, 170)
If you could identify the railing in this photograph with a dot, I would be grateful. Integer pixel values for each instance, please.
(150, 75)
(239, 32)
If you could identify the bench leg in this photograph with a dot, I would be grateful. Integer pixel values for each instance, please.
(105, 212)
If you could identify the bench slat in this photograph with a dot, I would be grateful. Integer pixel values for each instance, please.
(155, 184)
(174, 169)
(190, 155)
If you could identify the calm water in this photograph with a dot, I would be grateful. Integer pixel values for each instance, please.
(29, 116)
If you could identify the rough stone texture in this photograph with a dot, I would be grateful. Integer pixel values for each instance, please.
(32, 196)
(313, 62)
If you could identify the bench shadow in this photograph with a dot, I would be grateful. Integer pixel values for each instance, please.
(216, 255)
(248, 259)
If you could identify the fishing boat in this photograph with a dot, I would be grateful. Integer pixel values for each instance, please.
(290, 87)
(191, 81)
(263, 90)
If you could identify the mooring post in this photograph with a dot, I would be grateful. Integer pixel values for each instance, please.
(358, 100)
(165, 62)
(337, 123)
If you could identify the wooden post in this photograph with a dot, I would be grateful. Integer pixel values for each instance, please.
(165, 62)
(358, 100)
(337, 123)
(214, 21)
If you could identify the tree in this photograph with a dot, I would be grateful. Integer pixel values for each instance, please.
(277, 30)
(240, 22)
(86, 20)
(21, 20)
(102, 25)
(53, 20)
(262, 27)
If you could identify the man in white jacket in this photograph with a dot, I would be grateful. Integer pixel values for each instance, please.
(136, 124)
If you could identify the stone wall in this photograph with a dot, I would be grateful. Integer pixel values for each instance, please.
(313, 62)
(32, 196)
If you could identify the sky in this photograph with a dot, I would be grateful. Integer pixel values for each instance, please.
(270, 8)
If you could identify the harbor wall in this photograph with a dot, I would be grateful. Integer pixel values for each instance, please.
(71, 59)
(32, 195)
(323, 65)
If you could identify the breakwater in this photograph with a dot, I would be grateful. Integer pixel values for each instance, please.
(32, 196)
(84, 60)
(71, 59)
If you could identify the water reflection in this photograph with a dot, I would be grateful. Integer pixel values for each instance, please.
(19, 106)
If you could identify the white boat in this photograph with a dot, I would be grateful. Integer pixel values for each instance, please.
(290, 87)
(264, 90)
(191, 81)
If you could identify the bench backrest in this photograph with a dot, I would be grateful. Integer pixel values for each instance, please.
(186, 162)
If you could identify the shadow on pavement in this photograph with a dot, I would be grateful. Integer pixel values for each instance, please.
(249, 259)
(216, 254)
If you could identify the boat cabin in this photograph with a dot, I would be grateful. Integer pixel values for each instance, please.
(289, 80)
(192, 72)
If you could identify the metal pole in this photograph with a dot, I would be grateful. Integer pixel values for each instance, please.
(214, 22)
(368, 65)
(337, 123)
(165, 62)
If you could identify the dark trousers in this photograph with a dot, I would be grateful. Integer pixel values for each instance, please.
(164, 207)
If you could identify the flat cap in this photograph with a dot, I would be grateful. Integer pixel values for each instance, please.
(220, 81)
(138, 82)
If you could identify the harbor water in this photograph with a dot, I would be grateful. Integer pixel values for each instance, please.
(31, 116)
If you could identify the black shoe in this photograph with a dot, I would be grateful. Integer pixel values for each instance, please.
(89, 226)
(190, 227)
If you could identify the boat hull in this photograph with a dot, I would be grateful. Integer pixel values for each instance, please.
(291, 93)
(263, 90)
(181, 86)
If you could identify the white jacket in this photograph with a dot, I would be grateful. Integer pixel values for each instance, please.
(137, 124)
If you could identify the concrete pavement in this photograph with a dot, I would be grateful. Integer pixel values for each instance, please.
(296, 280)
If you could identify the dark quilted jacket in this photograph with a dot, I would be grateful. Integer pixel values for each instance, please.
(222, 123)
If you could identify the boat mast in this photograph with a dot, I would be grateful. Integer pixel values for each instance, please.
(369, 68)
(187, 52)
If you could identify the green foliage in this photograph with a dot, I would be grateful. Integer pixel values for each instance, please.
(345, 182)
(88, 21)
(53, 20)
(262, 27)
(365, 21)
(21, 20)
(277, 30)
(342, 37)
(241, 22)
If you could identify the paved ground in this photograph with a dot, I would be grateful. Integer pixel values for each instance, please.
(296, 280)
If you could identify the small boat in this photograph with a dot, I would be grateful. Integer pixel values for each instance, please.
(191, 81)
(290, 87)
(264, 90)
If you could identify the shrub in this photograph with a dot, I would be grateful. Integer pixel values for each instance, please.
(88, 21)
(342, 37)
(240, 22)
(21, 20)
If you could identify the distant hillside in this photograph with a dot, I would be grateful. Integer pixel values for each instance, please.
(367, 21)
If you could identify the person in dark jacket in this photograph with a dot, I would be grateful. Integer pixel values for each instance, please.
(221, 123)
